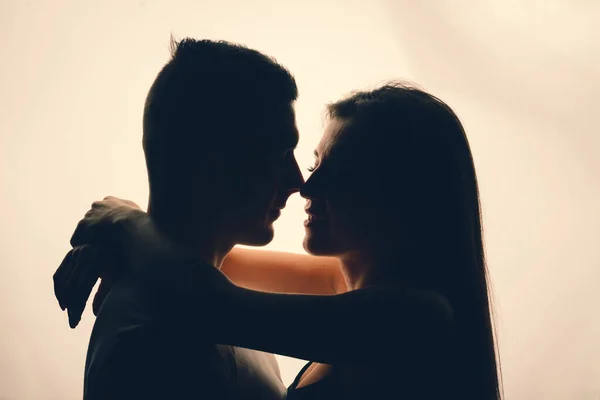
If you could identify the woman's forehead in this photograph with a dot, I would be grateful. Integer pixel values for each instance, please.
(331, 138)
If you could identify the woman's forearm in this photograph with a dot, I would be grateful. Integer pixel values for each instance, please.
(281, 272)
(356, 326)
(361, 326)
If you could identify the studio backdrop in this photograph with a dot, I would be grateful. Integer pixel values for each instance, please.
(523, 75)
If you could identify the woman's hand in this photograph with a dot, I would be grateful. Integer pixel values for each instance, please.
(106, 218)
(99, 245)
(116, 237)
(77, 275)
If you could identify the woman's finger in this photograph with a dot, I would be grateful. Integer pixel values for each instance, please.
(89, 266)
(72, 275)
(61, 277)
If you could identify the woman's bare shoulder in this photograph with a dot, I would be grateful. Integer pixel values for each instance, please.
(410, 303)
(432, 300)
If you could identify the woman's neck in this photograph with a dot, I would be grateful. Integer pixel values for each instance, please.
(361, 270)
(358, 271)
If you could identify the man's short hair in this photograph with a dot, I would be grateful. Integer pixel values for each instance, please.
(210, 94)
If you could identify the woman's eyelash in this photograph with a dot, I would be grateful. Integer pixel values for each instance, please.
(310, 169)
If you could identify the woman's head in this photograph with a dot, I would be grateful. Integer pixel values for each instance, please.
(393, 171)
(394, 184)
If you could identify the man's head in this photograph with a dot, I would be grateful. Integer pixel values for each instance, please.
(219, 135)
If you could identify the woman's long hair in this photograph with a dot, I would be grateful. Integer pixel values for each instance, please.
(429, 202)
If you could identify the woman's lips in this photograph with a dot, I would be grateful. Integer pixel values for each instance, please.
(314, 220)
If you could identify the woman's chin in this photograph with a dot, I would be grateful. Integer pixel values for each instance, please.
(318, 245)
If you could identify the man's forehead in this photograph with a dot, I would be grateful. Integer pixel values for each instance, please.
(280, 127)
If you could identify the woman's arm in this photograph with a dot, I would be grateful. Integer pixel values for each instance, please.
(361, 326)
(280, 272)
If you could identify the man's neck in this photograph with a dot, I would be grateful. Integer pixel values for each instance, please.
(203, 241)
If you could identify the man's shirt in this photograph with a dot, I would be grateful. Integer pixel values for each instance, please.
(138, 350)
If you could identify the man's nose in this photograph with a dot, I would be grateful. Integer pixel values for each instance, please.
(295, 179)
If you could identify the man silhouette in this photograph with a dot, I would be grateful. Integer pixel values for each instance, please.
(219, 134)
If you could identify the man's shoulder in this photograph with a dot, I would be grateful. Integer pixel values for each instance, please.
(124, 304)
(134, 312)
(125, 314)
(132, 332)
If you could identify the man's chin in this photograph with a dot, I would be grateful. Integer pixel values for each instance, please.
(258, 238)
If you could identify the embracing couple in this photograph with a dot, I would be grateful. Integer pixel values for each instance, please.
(391, 303)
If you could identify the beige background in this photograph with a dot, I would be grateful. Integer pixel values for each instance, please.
(522, 75)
